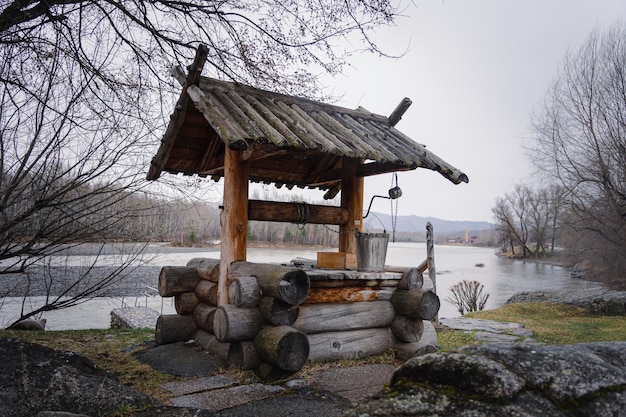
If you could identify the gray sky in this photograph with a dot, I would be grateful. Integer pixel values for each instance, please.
(475, 70)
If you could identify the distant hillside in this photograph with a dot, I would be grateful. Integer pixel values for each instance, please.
(418, 224)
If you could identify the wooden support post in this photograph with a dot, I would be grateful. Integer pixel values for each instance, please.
(234, 218)
(352, 200)
(430, 260)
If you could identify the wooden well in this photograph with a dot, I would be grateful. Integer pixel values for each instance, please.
(250, 313)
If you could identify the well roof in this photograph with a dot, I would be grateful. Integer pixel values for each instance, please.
(290, 141)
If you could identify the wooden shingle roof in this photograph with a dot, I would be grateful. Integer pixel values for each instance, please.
(288, 140)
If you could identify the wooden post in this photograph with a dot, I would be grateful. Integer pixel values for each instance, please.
(352, 200)
(234, 218)
(430, 260)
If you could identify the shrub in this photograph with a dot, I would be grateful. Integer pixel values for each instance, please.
(468, 296)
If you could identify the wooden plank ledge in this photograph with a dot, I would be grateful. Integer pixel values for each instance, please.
(345, 275)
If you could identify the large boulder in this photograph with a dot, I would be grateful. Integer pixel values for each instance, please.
(599, 301)
(34, 378)
(508, 380)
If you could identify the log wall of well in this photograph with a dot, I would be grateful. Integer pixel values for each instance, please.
(278, 317)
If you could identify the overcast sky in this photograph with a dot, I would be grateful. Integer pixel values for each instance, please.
(475, 70)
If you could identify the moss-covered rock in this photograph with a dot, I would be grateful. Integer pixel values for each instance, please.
(509, 380)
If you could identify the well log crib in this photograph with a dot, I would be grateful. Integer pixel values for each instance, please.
(278, 316)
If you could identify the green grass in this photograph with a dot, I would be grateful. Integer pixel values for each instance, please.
(454, 339)
(550, 323)
(559, 323)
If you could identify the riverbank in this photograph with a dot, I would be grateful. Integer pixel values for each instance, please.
(578, 271)
(556, 259)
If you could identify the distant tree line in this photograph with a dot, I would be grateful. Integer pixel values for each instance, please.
(141, 217)
(579, 149)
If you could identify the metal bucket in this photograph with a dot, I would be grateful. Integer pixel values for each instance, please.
(371, 251)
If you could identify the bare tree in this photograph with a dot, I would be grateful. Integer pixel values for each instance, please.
(85, 94)
(65, 172)
(580, 141)
(511, 215)
(527, 217)
(539, 218)
(556, 207)
(267, 43)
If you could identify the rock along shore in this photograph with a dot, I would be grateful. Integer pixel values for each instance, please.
(598, 302)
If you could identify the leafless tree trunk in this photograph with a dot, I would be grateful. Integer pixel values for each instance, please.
(511, 214)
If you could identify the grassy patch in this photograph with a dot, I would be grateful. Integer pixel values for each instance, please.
(110, 350)
(559, 323)
(454, 339)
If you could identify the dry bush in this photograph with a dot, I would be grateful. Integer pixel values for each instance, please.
(468, 296)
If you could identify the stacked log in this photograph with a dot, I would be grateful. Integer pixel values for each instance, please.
(347, 314)
(273, 293)
(279, 317)
(252, 331)
(415, 307)
(171, 328)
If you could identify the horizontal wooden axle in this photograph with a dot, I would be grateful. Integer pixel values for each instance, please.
(275, 211)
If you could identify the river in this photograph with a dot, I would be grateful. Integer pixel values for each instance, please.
(501, 278)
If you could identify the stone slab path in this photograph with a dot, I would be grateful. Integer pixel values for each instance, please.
(489, 330)
(220, 392)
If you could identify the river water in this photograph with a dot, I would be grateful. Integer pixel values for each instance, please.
(501, 278)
